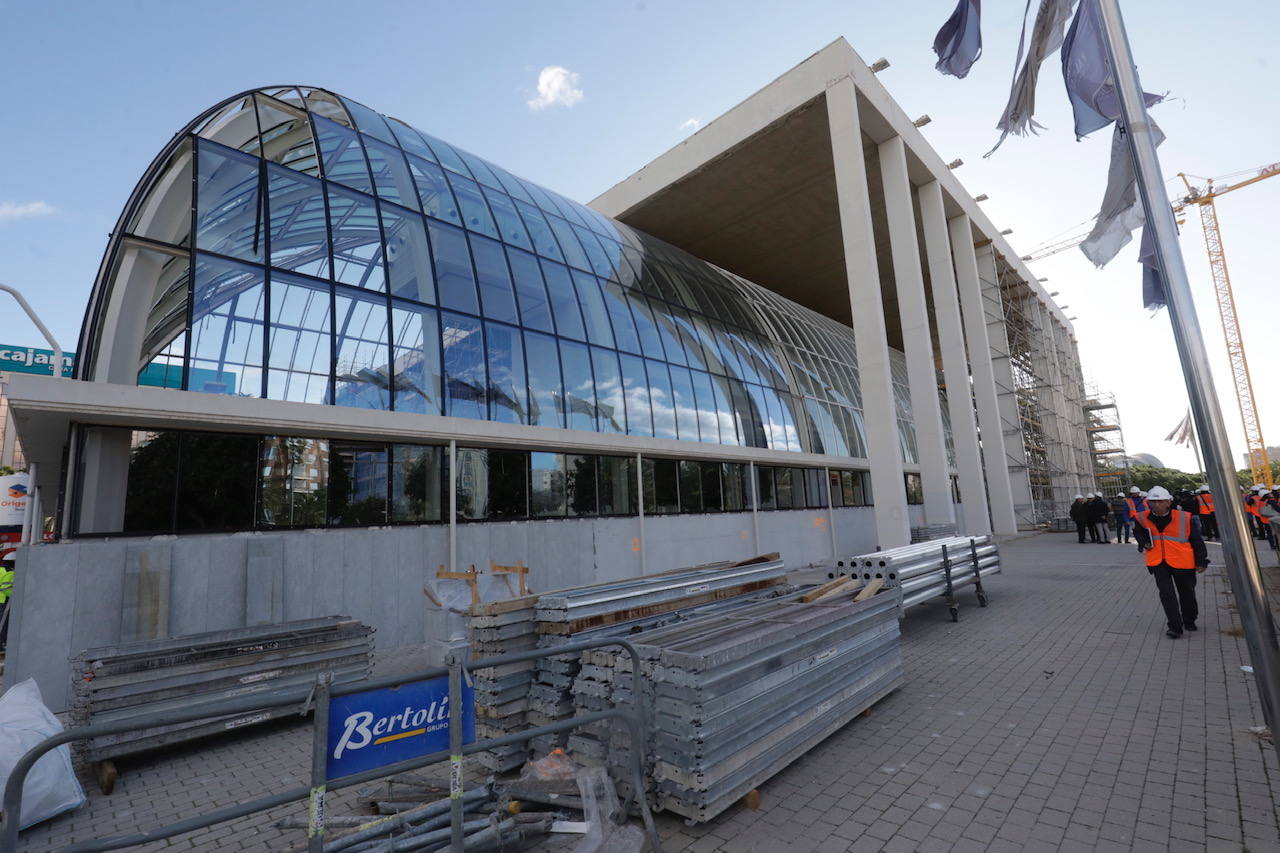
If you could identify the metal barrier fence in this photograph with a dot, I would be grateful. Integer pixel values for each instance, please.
(317, 697)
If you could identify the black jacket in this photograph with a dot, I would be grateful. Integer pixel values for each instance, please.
(1160, 521)
(1099, 509)
(1079, 512)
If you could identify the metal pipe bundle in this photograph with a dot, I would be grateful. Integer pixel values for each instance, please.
(738, 697)
(919, 569)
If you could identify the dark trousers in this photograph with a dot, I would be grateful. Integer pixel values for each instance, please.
(1177, 595)
(1209, 525)
(1122, 526)
(1080, 528)
(1093, 532)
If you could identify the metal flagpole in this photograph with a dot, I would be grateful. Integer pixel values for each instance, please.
(1237, 546)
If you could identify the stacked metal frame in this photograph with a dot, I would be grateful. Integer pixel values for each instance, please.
(927, 570)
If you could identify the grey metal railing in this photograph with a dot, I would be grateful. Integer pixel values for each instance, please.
(317, 696)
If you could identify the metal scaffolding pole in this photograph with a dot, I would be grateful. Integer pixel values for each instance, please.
(1241, 561)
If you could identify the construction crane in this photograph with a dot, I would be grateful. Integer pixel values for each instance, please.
(1204, 198)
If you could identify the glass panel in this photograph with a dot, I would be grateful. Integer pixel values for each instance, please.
(390, 174)
(164, 333)
(593, 311)
(754, 412)
(595, 255)
(712, 500)
(662, 402)
(768, 498)
(496, 297)
(510, 226)
(580, 485)
(661, 486)
(227, 328)
(544, 242)
(617, 485)
(914, 489)
(465, 382)
(410, 140)
(343, 157)
(299, 239)
(733, 486)
(646, 329)
(667, 330)
(473, 484)
(362, 378)
(834, 491)
(815, 489)
(686, 404)
(784, 488)
(535, 311)
(546, 485)
(408, 258)
(322, 103)
(725, 415)
(235, 125)
(357, 484)
(567, 240)
(475, 212)
(294, 481)
(301, 340)
(635, 385)
(416, 484)
(609, 405)
(228, 207)
(564, 301)
(691, 486)
(153, 479)
(708, 417)
(165, 213)
(508, 484)
(446, 155)
(579, 386)
(512, 185)
(433, 190)
(624, 329)
(683, 328)
(417, 359)
(847, 495)
(357, 240)
(286, 136)
(454, 280)
(546, 397)
(506, 374)
(479, 169)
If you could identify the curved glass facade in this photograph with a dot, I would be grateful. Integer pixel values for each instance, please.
(296, 245)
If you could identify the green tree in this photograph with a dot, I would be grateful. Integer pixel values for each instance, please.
(1147, 476)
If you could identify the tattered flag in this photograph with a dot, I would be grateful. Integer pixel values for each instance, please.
(1046, 36)
(1153, 291)
(1121, 211)
(959, 43)
(1086, 70)
(1181, 434)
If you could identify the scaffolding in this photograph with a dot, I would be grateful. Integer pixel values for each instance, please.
(1041, 395)
(1106, 441)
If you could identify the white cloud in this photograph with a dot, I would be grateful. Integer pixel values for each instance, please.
(691, 125)
(556, 87)
(12, 211)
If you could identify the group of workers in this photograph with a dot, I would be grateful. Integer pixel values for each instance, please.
(1171, 531)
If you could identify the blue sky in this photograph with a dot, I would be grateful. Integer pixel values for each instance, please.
(94, 90)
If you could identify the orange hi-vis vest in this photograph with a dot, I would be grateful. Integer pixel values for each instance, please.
(1251, 506)
(1206, 504)
(1172, 546)
(1132, 503)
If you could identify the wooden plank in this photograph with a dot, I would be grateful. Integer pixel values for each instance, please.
(845, 588)
(870, 589)
(817, 592)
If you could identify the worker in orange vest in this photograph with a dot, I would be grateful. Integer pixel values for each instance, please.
(1208, 520)
(1175, 554)
(1252, 504)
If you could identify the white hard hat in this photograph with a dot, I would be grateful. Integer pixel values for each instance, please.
(1159, 493)
(1203, 489)
(1142, 494)
(1259, 488)
(1120, 494)
(1079, 497)
(1134, 490)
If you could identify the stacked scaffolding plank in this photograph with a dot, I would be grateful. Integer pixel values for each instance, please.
(735, 698)
(502, 693)
(116, 683)
(932, 569)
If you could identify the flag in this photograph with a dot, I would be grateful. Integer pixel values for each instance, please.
(1086, 70)
(1182, 432)
(1153, 292)
(959, 42)
(1046, 36)
(1121, 212)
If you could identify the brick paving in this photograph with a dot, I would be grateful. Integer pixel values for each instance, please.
(1058, 718)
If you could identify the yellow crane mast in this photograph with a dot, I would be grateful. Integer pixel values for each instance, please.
(1204, 198)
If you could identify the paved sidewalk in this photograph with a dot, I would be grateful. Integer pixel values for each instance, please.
(1058, 718)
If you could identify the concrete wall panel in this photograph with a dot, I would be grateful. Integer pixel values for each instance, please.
(189, 588)
(225, 603)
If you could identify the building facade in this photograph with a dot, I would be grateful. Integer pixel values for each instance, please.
(328, 353)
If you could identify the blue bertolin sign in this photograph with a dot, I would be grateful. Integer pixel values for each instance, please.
(380, 727)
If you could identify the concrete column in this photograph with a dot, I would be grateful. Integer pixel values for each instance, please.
(1060, 420)
(984, 388)
(917, 342)
(870, 340)
(8, 439)
(955, 362)
(1006, 392)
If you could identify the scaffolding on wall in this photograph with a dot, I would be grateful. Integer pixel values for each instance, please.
(1106, 441)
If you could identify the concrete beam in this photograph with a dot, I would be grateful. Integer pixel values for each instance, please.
(870, 339)
(955, 361)
(917, 342)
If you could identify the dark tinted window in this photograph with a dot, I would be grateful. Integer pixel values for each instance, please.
(508, 484)
(733, 480)
(767, 497)
(617, 485)
(580, 484)
(357, 484)
(661, 486)
(546, 485)
(153, 477)
(690, 486)
(217, 482)
(416, 485)
(293, 481)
